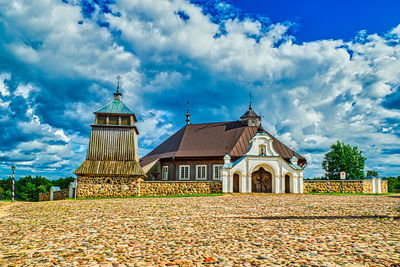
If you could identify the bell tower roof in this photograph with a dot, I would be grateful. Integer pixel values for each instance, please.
(116, 106)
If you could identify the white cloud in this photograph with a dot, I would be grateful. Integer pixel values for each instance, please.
(3, 87)
(311, 94)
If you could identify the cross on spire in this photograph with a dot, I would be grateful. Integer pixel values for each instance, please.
(117, 95)
(250, 108)
(118, 81)
(187, 114)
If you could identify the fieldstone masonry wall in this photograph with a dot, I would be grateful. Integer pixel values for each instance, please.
(90, 187)
(57, 195)
(62, 194)
(384, 186)
(335, 186)
(44, 196)
(179, 188)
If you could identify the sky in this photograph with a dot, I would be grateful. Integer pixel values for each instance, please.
(319, 71)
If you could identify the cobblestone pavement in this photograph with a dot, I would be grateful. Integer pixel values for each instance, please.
(229, 230)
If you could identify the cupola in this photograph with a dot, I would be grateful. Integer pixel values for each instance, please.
(250, 118)
(115, 113)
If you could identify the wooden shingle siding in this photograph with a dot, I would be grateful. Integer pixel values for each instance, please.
(109, 167)
(111, 144)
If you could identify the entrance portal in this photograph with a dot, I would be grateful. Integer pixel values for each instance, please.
(287, 184)
(236, 183)
(261, 181)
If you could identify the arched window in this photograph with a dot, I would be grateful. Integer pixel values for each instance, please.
(262, 150)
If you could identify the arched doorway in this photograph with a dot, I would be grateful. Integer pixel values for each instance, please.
(287, 184)
(236, 183)
(261, 181)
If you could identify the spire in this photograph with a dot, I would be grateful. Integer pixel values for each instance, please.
(187, 114)
(117, 95)
(250, 108)
(250, 118)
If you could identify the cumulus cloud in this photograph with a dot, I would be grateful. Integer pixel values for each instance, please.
(60, 59)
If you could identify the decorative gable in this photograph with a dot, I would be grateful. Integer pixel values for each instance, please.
(261, 145)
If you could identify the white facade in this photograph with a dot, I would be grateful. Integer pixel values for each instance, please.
(262, 154)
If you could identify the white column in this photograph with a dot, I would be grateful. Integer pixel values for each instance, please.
(379, 185)
(249, 184)
(243, 184)
(277, 184)
(230, 182)
(51, 195)
(295, 185)
(373, 185)
(283, 184)
(224, 181)
(301, 185)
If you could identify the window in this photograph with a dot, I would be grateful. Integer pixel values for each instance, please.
(165, 173)
(262, 150)
(125, 120)
(201, 172)
(101, 119)
(184, 171)
(113, 120)
(217, 172)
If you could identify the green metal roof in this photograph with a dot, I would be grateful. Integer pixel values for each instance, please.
(116, 106)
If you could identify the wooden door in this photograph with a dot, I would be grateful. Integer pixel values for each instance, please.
(287, 184)
(261, 181)
(236, 183)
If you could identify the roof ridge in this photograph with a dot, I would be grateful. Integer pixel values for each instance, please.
(225, 122)
(111, 103)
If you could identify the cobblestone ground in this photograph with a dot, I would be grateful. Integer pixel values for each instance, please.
(230, 230)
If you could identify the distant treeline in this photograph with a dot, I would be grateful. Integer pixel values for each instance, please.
(28, 188)
(393, 183)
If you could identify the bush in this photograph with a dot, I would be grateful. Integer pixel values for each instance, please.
(28, 188)
(393, 184)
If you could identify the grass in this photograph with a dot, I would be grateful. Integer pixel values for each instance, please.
(197, 195)
(341, 194)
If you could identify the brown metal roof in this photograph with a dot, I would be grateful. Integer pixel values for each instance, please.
(213, 140)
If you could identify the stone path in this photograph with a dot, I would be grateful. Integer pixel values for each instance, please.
(230, 230)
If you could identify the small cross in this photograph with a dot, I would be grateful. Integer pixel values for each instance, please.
(118, 79)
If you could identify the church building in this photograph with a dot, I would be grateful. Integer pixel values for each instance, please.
(112, 166)
(240, 154)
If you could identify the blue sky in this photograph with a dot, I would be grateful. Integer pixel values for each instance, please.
(320, 71)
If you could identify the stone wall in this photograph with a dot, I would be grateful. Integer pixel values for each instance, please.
(90, 187)
(384, 186)
(367, 186)
(62, 194)
(335, 186)
(44, 196)
(179, 188)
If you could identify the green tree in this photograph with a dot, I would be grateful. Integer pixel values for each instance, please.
(372, 173)
(63, 182)
(393, 184)
(344, 158)
(1, 192)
